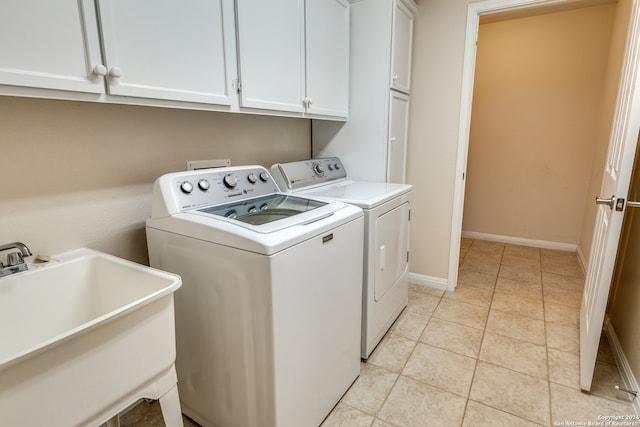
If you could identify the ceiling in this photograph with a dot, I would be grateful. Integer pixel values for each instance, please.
(526, 12)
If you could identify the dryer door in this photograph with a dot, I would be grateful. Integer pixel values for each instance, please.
(392, 249)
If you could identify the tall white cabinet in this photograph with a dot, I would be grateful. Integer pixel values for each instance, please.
(372, 144)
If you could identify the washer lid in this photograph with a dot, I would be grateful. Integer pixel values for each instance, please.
(270, 213)
(360, 193)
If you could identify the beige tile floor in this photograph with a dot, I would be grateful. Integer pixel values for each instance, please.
(502, 350)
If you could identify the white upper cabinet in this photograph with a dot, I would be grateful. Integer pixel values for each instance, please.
(51, 45)
(271, 54)
(294, 55)
(279, 57)
(327, 57)
(401, 46)
(170, 49)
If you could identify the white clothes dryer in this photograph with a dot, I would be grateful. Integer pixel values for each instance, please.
(387, 214)
(268, 317)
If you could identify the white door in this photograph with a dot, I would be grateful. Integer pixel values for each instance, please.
(271, 54)
(166, 50)
(327, 57)
(397, 144)
(615, 187)
(392, 246)
(401, 47)
(51, 45)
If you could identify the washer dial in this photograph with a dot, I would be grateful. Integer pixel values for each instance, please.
(318, 168)
(230, 181)
(186, 187)
(203, 184)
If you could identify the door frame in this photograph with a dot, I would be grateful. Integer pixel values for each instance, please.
(474, 11)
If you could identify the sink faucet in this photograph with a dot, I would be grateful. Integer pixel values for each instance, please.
(15, 260)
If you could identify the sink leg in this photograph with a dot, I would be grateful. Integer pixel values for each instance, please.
(113, 421)
(170, 405)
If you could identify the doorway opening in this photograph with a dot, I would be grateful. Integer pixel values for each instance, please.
(536, 134)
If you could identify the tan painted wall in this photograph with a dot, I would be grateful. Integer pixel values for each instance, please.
(607, 110)
(536, 105)
(434, 125)
(625, 293)
(80, 174)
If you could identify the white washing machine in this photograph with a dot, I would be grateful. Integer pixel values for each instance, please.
(387, 212)
(268, 316)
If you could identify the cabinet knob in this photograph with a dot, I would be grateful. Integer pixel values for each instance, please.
(115, 72)
(395, 77)
(100, 70)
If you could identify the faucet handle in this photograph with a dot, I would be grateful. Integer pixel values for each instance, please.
(14, 258)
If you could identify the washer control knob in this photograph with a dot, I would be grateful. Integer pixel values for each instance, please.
(337, 166)
(230, 181)
(264, 176)
(186, 187)
(203, 184)
(318, 169)
(252, 178)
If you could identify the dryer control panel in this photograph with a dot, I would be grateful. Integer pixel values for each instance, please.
(306, 173)
(187, 190)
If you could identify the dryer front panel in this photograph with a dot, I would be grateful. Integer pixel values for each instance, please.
(392, 248)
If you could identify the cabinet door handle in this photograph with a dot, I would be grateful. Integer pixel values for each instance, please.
(115, 72)
(100, 70)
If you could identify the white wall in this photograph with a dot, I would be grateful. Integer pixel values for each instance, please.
(80, 174)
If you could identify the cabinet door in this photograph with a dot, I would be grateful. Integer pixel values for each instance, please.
(50, 44)
(392, 248)
(327, 57)
(271, 54)
(397, 146)
(401, 46)
(169, 50)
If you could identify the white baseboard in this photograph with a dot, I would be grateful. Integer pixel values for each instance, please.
(520, 241)
(430, 281)
(628, 378)
(582, 260)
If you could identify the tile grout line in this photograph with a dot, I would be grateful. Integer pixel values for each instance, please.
(395, 382)
(546, 341)
(484, 331)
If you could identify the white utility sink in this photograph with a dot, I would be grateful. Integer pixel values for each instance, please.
(84, 336)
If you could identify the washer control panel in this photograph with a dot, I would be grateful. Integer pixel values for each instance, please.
(306, 173)
(192, 189)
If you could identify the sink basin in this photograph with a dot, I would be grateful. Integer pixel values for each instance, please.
(84, 336)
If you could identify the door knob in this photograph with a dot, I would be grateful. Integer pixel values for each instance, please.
(631, 204)
(610, 202)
